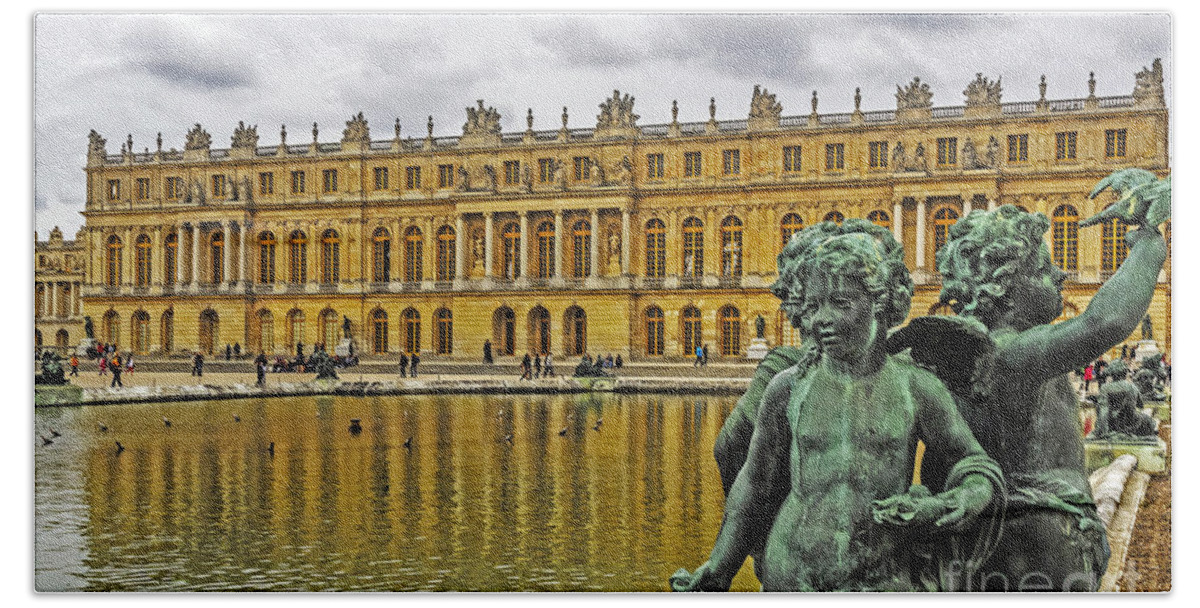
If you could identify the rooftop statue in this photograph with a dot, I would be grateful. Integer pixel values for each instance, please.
(482, 121)
(245, 137)
(1119, 409)
(617, 112)
(834, 523)
(96, 144)
(763, 105)
(915, 95)
(982, 91)
(198, 139)
(1007, 366)
(1149, 82)
(357, 130)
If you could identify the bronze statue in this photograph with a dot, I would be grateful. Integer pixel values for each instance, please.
(1119, 409)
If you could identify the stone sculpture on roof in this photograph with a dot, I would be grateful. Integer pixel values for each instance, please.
(245, 137)
(914, 96)
(617, 113)
(1149, 82)
(763, 105)
(481, 121)
(198, 139)
(983, 91)
(356, 130)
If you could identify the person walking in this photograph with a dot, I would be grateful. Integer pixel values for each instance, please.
(403, 364)
(103, 364)
(548, 366)
(260, 370)
(1098, 373)
(699, 356)
(75, 365)
(129, 364)
(1088, 373)
(198, 365)
(526, 373)
(705, 352)
(116, 372)
(537, 366)
(228, 352)
(413, 364)
(487, 352)
(619, 363)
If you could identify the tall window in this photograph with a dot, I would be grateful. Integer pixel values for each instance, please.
(576, 331)
(444, 338)
(379, 331)
(297, 182)
(142, 260)
(512, 172)
(412, 178)
(141, 332)
(445, 176)
(329, 181)
(414, 248)
(113, 261)
(266, 183)
(791, 224)
(297, 257)
(943, 219)
(114, 189)
(1064, 145)
(791, 159)
(217, 257)
(879, 217)
(581, 244)
(266, 331)
(1114, 143)
(266, 257)
(167, 325)
(654, 166)
(731, 162)
(835, 217)
(545, 250)
(1113, 248)
(545, 170)
(1065, 238)
(691, 164)
(583, 168)
(512, 250)
(381, 255)
(220, 186)
(174, 187)
(835, 157)
(412, 331)
(731, 247)
(381, 178)
(295, 328)
(445, 253)
(731, 331)
(112, 327)
(947, 153)
(143, 188)
(654, 331)
(331, 329)
(170, 250)
(504, 324)
(1018, 148)
(656, 248)
(693, 247)
(878, 155)
(692, 334)
(330, 257)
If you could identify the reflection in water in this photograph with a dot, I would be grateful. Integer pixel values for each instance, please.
(495, 493)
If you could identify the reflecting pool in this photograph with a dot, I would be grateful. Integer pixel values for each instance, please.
(594, 492)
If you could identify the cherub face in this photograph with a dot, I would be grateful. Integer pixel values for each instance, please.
(842, 315)
(1041, 299)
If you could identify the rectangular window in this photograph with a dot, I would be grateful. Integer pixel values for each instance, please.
(731, 162)
(412, 178)
(445, 176)
(583, 168)
(297, 182)
(545, 170)
(691, 164)
(114, 189)
(1064, 145)
(329, 181)
(174, 188)
(835, 156)
(791, 159)
(266, 183)
(947, 151)
(220, 186)
(381, 178)
(878, 155)
(143, 188)
(1018, 148)
(654, 166)
(1114, 143)
(512, 172)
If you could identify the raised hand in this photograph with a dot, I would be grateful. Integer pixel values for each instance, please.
(1145, 199)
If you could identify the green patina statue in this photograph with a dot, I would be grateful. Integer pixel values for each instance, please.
(323, 363)
(1119, 415)
(52, 370)
(1149, 378)
(824, 488)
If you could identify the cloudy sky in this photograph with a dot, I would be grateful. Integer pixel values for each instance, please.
(145, 74)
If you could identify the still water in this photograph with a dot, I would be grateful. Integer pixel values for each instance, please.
(204, 505)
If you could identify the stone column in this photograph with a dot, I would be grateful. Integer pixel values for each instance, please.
(128, 252)
(594, 250)
(179, 257)
(558, 239)
(395, 272)
(898, 220)
(458, 247)
(77, 297)
(991, 204)
(921, 234)
(487, 243)
(523, 250)
(52, 287)
(625, 242)
(243, 253)
(156, 258)
(227, 225)
(195, 278)
(966, 206)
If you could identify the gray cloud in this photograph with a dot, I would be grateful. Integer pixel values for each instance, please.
(191, 75)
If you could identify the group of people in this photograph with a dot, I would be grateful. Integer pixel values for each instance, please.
(109, 360)
(701, 355)
(408, 364)
(540, 366)
(1095, 371)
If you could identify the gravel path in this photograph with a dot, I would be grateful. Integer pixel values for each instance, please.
(1148, 566)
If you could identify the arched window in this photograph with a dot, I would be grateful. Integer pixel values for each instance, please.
(65, 303)
(654, 331)
(62, 340)
(581, 245)
(504, 337)
(266, 257)
(443, 339)
(140, 332)
(835, 217)
(791, 224)
(379, 331)
(692, 334)
(879, 217)
(656, 248)
(381, 255)
(331, 329)
(512, 250)
(445, 253)
(414, 246)
(266, 331)
(295, 328)
(142, 261)
(1113, 248)
(412, 331)
(113, 262)
(545, 250)
(168, 330)
(731, 247)
(297, 257)
(112, 327)
(330, 257)
(39, 301)
(217, 257)
(788, 334)
(731, 332)
(170, 255)
(943, 219)
(574, 331)
(210, 334)
(693, 247)
(1065, 237)
(539, 330)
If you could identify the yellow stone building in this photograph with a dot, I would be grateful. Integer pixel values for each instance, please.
(58, 281)
(619, 238)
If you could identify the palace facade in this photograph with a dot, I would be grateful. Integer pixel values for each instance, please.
(618, 238)
(58, 282)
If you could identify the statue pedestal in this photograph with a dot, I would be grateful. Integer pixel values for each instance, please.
(1151, 454)
(343, 348)
(86, 346)
(1146, 348)
(758, 349)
